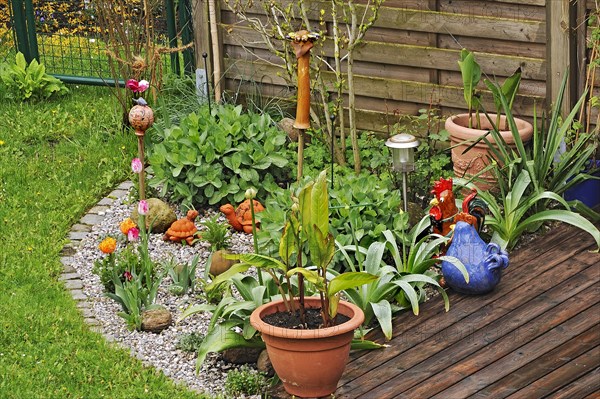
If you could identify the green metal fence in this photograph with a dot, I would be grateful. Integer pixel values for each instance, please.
(66, 37)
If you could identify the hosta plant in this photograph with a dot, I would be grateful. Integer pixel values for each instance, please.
(20, 81)
(402, 283)
(213, 158)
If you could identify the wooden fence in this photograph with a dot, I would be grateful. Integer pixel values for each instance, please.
(409, 58)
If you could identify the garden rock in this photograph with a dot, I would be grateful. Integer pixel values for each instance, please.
(156, 320)
(263, 364)
(242, 355)
(160, 215)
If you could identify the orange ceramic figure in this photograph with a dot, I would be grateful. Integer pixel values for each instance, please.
(183, 229)
(241, 217)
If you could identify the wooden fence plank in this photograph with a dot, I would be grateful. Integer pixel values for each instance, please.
(409, 55)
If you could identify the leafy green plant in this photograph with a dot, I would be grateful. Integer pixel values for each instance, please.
(25, 82)
(213, 158)
(550, 167)
(404, 281)
(190, 342)
(471, 75)
(231, 313)
(245, 381)
(183, 275)
(215, 233)
(512, 212)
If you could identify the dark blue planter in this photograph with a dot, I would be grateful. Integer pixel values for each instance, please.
(587, 191)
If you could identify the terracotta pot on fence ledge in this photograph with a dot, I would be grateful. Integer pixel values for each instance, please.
(309, 362)
(476, 159)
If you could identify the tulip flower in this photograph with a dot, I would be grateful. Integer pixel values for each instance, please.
(137, 87)
(127, 225)
(108, 245)
(143, 207)
(128, 276)
(133, 234)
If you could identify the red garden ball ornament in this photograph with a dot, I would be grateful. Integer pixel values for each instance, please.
(141, 117)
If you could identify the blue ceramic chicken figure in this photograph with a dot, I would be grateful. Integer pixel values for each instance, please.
(484, 263)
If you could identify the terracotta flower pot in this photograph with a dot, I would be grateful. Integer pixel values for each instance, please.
(309, 362)
(476, 159)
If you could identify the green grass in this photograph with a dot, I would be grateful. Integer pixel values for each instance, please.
(57, 159)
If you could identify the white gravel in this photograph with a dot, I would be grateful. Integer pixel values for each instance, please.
(157, 350)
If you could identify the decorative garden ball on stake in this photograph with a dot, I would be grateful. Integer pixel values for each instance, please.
(141, 117)
(302, 42)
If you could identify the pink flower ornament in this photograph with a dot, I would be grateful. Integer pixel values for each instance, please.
(143, 207)
(137, 87)
(136, 165)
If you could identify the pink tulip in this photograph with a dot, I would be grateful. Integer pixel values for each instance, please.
(143, 207)
(133, 234)
(128, 276)
(136, 165)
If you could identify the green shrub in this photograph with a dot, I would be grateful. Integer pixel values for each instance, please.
(213, 158)
(24, 82)
(190, 342)
(363, 206)
(245, 381)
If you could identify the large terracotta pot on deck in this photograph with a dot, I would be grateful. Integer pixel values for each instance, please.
(309, 362)
(477, 158)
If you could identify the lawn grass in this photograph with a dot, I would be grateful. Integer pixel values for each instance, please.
(57, 159)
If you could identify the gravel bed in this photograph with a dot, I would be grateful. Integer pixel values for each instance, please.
(158, 350)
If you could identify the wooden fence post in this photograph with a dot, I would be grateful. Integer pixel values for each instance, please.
(561, 51)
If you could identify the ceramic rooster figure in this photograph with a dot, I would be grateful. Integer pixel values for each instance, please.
(484, 262)
(240, 218)
(444, 212)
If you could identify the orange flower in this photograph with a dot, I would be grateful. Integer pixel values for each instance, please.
(127, 225)
(108, 245)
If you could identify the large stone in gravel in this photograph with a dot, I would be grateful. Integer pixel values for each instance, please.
(159, 214)
(156, 320)
(241, 355)
(263, 364)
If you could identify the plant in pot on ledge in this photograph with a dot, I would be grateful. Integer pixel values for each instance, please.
(469, 132)
(307, 338)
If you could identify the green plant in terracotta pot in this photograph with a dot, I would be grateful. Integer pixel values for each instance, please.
(294, 348)
(469, 132)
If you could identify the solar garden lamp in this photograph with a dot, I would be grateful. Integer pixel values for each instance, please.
(403, 158)
(302, 41)
(141, 117)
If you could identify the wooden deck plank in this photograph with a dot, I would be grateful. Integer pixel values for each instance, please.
(567, 315)
(545, 259)
(535, 369)
(441, 358)
(480, 328)
(583, 365)
(517, 358)
(443, 370)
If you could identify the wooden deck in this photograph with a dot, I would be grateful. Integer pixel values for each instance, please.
(537, 335)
